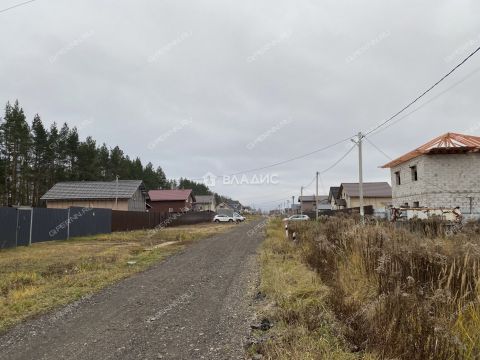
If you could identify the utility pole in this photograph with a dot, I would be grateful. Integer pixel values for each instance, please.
(301, 200)
(316, 200)
(360, 177)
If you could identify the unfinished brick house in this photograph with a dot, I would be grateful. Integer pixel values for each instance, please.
(443, 173)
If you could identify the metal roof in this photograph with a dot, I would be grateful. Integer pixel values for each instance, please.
(370, 189)
(333, 193)
(170, 195)
(448, 143)
(89, 190)
(312, 198)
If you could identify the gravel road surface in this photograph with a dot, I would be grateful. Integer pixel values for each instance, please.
(197, 304)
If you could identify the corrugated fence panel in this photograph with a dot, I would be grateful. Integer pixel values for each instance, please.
(24, 224)
(8, 227)
(49, 224)
(190, 218)
(128, 220)
(53, 224)
(88, 221)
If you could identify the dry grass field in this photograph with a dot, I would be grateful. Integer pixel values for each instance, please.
(45, 275)
(296, 302)
(383, 292)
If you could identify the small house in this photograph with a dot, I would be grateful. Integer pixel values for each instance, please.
(172, 201)
(333, 197)
(375, 194)
(308, 203)
(125, 195)
(205, 203)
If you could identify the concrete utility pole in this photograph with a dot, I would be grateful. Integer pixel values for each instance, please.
(316, 200)
(301, 200)
(360, 177)
(293, 203)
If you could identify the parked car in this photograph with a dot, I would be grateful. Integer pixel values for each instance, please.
(238, 218)
(297, 218)
(223, 218)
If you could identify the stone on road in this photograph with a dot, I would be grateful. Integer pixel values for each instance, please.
(194, 305)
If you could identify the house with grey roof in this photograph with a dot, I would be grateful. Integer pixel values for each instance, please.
(333, 197)
(308, 203)
(205, 203)
(376, 194)
(125, 195)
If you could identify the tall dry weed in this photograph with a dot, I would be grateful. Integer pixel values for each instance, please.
(410, 293)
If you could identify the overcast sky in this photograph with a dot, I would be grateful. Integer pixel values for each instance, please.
(223, 86)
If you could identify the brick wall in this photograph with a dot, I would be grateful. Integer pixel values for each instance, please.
(447, 180)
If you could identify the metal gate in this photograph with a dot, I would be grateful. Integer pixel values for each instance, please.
(24, 227)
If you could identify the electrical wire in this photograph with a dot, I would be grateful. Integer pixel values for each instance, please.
(285, 161)
(16, 6)
(424, 93)
(338, 161)
(426, 102)
(378, 149)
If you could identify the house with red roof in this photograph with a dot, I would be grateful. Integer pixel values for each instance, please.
(171, 201)
(443, 173)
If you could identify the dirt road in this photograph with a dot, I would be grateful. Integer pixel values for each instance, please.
(194, 305)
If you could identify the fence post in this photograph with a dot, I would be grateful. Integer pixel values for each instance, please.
(68, 224)
(16, 229)
(31, 225)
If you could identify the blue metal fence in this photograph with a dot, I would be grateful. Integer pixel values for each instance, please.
(8, 227)
(25, 226)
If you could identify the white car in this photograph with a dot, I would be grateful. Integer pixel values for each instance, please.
(297, 218)
(237, 217)
(223, 218)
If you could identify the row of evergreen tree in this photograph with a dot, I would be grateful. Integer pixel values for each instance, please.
(34, 158)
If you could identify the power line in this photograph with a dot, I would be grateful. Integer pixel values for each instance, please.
(427, 102)
(378, 149)
(338, 161)
(285, 161)
(310, 183)
(367, 133)
(424, 93)
(16, 6)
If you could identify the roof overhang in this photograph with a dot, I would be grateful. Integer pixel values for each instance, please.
(449, 143)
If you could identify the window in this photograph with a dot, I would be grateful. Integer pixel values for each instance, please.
(414, 172)
(397, 178)
(405, 205)
(416, 204)
(170, 209)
